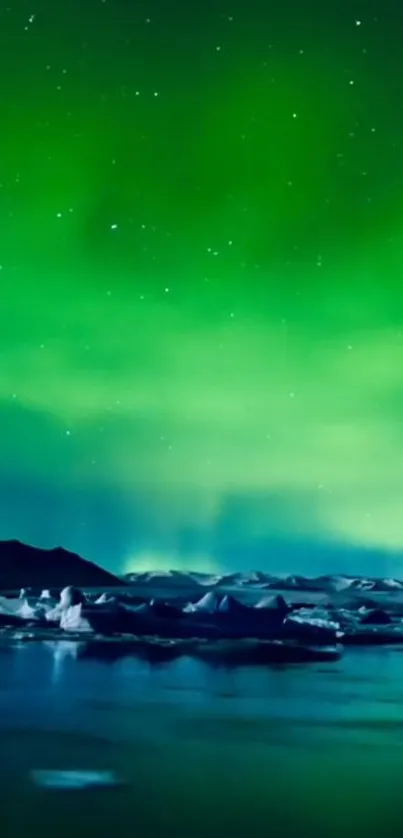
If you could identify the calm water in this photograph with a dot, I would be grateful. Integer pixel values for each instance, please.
(312, 750)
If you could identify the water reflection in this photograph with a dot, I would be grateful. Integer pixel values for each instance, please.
(224, 748)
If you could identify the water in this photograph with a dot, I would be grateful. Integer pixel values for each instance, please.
(312, 750)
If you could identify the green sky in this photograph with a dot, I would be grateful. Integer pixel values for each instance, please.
(201, 319)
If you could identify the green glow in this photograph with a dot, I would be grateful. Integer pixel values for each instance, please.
(238, 334)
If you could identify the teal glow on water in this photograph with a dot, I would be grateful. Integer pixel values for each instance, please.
(311, 750)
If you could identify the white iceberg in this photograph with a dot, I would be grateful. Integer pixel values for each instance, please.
(72, 619)
(46, 595)
(29, 612)
(71, 596)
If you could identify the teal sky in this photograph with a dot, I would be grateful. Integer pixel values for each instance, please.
(201, 251)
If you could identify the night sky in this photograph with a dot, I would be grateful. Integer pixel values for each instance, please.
(201, 253)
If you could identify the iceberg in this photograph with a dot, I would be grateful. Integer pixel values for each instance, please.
(209, 603)
(72, 619)
(75, 780)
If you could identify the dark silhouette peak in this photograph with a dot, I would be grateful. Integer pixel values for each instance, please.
(22, 565)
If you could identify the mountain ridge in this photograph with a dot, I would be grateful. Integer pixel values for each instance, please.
(334, 582)
(23, 565)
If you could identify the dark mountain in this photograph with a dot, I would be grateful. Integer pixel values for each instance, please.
(22, 566)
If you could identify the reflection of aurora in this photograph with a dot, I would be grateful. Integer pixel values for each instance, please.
(200, 321)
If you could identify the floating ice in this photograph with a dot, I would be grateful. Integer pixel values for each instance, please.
(71, 596)
(74, 780)
(72, 619)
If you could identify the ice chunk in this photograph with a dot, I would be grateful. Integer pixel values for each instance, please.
(103, 599)
(304, 619)
(75, 779)
(72, 619)
(53, 615)
(9, 606)
(71, 596)
(208, 603)
(26, 612)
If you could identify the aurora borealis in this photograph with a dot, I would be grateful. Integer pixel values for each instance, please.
(201, 255)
